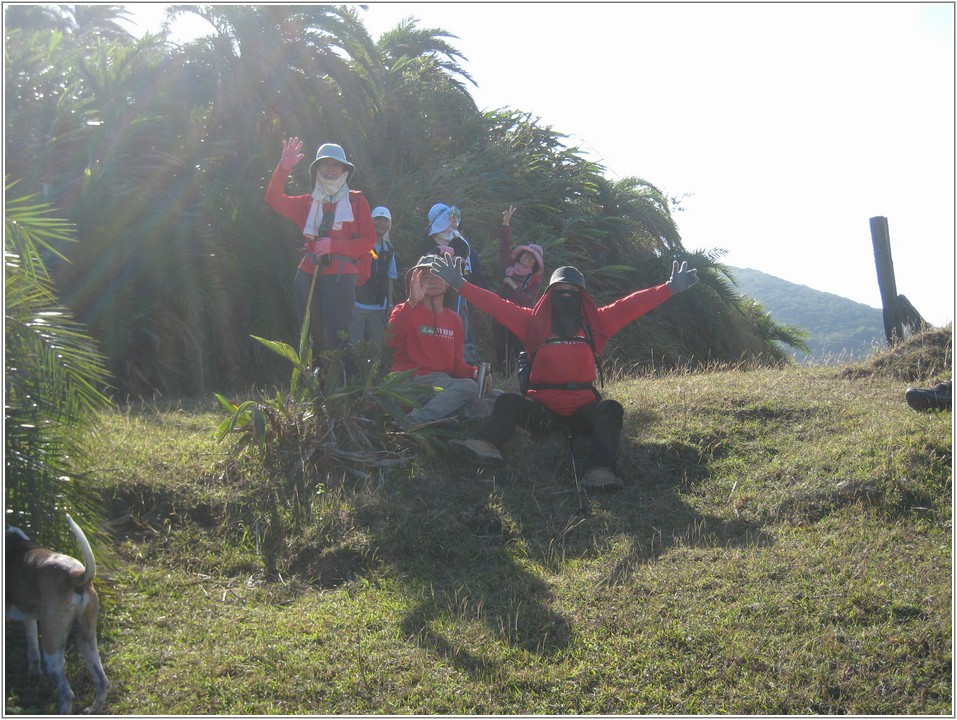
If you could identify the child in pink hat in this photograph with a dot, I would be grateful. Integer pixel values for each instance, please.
(524, 267)
(526, 271)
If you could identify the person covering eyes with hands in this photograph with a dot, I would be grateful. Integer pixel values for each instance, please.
(427, 337)
(562, 335)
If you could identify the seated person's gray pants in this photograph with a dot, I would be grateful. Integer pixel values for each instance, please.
(456, 393)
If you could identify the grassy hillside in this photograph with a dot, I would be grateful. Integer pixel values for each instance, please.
(782, 546)
(841, 330)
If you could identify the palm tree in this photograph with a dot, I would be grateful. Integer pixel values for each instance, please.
(160, 155)
(270, 63)
(32, 17)
(261, 74)
(644, 211)
(96, 23)
(53, 375)
(423, 100)
(84, 23)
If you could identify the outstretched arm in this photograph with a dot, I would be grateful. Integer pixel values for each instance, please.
(505, 243)
(512, 316)
(631, 307)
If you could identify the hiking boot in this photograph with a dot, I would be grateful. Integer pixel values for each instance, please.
(483, 448)
(602, 478)
(936, 398)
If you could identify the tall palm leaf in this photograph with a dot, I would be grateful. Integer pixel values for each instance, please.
(53, 375)
(93, 23)
(407, 41)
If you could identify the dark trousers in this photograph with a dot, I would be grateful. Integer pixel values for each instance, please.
(331, 309)
(600, 420)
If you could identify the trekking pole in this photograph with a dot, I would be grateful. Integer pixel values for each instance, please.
(583, 506)
(304, 332)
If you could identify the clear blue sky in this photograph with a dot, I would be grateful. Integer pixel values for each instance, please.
(788, 126)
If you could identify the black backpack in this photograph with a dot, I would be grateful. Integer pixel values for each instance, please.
(374, 290)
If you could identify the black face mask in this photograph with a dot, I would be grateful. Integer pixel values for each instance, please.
(566, 302)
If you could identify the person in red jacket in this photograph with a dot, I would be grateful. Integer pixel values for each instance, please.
(428, 337)
(562, 334)
(523, 268)
(338, 234)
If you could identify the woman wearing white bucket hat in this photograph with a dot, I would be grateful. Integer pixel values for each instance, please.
(339, 235)
(374, 298)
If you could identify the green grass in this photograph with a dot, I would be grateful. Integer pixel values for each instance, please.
(782, 546)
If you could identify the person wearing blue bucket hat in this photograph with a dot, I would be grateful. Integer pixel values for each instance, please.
(443, 231)
(339, 236)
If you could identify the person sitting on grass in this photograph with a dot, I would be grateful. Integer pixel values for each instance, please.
(427, 337)
(562, 334)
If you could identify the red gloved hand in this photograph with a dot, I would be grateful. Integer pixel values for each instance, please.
(322, 246)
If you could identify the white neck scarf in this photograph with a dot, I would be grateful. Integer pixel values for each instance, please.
(326, 191)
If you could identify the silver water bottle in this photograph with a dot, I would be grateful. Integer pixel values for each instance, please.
(483, 368)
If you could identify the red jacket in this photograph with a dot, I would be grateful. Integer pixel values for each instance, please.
(427, 341)
(353, 239)
(570, 362)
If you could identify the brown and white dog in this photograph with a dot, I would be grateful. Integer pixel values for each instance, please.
(55, 591)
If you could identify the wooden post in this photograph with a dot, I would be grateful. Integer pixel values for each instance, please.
(881, 237)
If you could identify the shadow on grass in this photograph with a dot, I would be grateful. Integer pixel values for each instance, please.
(483, 539)
(476, 546)
(461, 554)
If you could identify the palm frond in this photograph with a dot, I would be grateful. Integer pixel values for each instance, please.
(54, 378)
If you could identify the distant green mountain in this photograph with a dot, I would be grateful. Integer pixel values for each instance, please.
(840, 329)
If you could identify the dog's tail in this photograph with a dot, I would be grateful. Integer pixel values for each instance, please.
(88, 560)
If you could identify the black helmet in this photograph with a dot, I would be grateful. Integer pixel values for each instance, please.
(567, 274)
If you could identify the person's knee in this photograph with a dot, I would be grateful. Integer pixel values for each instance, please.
(508, 403)
(466, 386)
(610, 412)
